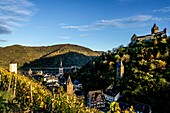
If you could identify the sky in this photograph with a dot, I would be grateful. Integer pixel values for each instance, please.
(97, 24)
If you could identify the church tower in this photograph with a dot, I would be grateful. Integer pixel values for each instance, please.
(154, 29)
(69, 87)
(120, 70)
(13, 67)
(61, 70)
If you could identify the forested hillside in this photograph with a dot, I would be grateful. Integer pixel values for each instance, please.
(46, 56)
(147, 73)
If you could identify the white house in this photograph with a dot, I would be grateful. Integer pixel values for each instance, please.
(45, 77)
(52, 80)
(111, 94)
(110, 97)
(13, 67)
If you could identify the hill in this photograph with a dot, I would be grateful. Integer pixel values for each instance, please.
(146, 74)
(33, 56)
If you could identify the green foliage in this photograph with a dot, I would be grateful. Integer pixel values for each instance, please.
(146, 78)
(100, 70)
(68, 104)
(40, 100)
(23, 91)
(4, 97)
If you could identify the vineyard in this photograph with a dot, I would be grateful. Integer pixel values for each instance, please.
(21, 94)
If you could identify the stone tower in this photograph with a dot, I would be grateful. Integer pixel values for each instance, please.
(61, 70)
(154, 29)
(69, 87)
(13, 67)
(120, 70)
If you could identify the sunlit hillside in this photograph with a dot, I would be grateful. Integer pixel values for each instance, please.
(21, 94)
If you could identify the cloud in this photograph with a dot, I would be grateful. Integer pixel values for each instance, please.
(63, 37)
(84, 27)
(13, 13)
(164, 10)
(1, 40)
(15, 9)
(5, 30)
(83, 35)
(132, 21)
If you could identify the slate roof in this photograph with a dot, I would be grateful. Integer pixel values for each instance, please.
(69, 80)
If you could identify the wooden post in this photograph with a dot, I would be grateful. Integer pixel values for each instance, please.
(15, 85)
(31, 93)
(53, 96)
(31, 98)
(0, 79)
(9, 84)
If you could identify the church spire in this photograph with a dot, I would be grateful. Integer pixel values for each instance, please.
(61, 70)
(69, 80)
(61, 63)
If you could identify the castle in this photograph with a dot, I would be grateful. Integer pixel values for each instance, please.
(154, 33)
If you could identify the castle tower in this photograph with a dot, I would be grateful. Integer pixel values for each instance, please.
(133, 37)
(69, 87)
(120, 70)
(154, 29)
(61, 70)
(13, 67)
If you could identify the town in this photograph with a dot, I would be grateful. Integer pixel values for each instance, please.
(84, 56)
(55, 77)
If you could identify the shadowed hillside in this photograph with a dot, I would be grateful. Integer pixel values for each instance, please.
(68, 59)
(26, 55)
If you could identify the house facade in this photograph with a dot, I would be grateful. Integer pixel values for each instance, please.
(96, 99)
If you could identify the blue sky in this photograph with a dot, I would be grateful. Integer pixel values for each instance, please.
(96, 24)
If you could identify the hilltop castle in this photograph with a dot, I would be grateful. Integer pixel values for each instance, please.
(154, 33)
